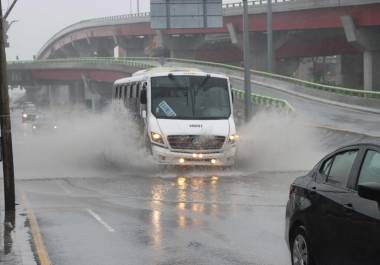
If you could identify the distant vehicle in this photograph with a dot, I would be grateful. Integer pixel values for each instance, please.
(185, 114)
(333, 213)
(44, 123)
(29, 112)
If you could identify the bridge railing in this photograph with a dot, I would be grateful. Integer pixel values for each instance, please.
(257, 3)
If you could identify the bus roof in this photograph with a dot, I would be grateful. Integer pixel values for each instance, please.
(160, 71)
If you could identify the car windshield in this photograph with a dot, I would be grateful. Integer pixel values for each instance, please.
(190, 97)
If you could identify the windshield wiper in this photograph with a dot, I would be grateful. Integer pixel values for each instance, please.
(173, 78)
(201, 85)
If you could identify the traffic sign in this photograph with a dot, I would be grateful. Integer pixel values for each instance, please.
(182, 14)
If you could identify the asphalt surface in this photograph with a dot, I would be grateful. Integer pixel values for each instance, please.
(323, 114)
(92, 211)
(202, 218)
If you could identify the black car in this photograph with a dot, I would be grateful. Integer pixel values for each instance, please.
(333, 213)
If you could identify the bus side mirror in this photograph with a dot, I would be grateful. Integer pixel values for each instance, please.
(143, 97)
(232, 96)
(143, 114)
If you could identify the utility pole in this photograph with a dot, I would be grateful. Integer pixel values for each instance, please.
(270, 59)
(247, 64)
(5, 125)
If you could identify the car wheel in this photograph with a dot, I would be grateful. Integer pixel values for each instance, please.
(300, 248)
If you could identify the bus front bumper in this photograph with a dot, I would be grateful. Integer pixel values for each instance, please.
(225, 157)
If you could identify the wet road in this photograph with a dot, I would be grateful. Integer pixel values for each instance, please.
(323, 114)
(216, 218)
(97, 210)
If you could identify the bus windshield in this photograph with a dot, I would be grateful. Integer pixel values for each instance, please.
(190, 97)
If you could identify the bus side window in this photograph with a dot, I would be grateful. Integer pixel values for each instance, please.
(125, 93)
(138, 91)
(130, 90)
(117, 92)
(134, 88)
(113, 92)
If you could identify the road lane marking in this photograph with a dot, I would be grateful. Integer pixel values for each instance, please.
(38, 241)
(60, 184)
(97, 218)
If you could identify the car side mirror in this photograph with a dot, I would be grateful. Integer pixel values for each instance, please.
(143, 97)
(370, 191)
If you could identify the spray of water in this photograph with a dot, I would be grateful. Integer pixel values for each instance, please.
(84, 144)
(278, 142)
(87, 144)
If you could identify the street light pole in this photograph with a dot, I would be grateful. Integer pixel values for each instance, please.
(138, 6)
(247, 64)
(270, 59)
(5, 125)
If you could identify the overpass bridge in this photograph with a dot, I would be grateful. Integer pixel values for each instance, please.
(346, 29)
(89, 81)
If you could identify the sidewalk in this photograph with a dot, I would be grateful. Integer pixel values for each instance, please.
(15, 237)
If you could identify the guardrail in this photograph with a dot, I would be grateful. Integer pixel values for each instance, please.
(265, 101)
(95, 61)
(136, 62)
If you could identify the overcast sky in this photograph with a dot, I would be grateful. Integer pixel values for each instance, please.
(38, 20)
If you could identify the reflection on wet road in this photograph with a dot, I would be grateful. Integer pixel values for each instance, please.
(205, 218)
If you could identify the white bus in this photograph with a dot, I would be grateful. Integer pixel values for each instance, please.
(186, 115)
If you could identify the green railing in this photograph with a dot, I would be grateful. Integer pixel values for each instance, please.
(265, 101)
(91, 60)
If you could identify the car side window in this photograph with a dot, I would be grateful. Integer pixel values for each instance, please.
(341, 168)
(370, 170)
(324, 170)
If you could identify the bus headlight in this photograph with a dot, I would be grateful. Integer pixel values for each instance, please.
(156, 137)
(233, 138)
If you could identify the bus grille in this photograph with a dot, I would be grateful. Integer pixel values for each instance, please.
(196, 142)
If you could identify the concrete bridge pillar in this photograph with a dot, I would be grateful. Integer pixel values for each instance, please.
(368, 41)
(59, 95)
(371, 62)
(76, 93)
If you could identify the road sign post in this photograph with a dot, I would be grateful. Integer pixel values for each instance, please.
(247, 64)
(270, 53)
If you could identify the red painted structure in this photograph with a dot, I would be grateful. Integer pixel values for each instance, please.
(76, 75)
(311, 19)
